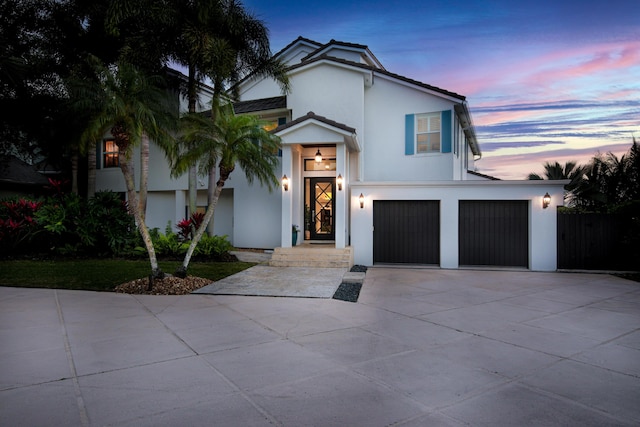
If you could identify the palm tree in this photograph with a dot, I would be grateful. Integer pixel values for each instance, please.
(220, 40)
(227, 141)
(556, 171)
(127, 104)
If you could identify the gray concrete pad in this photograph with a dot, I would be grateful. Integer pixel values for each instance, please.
(420, 347)
(264, 280)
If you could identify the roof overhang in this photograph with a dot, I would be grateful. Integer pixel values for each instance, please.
(464, 116)
(313, 129)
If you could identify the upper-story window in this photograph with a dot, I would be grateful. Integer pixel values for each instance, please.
(271, 124)
(109, 154)
(428, 133)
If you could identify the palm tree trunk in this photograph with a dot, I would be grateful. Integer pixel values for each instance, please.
(193, 189)
(127, 171)
(144, 175)
(210, 194)
(74, 171)
(193, 176)
(182, 270)
(91, 173)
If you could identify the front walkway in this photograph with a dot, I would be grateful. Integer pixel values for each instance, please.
(420, 347)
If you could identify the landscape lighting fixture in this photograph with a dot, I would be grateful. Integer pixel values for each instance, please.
(318, 156)
(546, 201)
(285, 183)
(361, 199)
(339, 182)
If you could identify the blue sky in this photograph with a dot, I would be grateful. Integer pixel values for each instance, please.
(546, 80)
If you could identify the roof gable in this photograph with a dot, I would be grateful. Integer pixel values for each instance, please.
(313, 128)
(296, 50)
(347, 51)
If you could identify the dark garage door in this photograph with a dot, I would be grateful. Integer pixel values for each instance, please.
(406, 231)
(494, 232)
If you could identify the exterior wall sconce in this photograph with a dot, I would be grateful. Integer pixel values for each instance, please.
(339, 182)
(361, 200)
(546, 201)
(318, 156)
(285, 183)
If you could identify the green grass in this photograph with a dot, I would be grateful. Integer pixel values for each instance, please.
(100, 275)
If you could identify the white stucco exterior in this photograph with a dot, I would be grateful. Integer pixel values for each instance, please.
(364, 120)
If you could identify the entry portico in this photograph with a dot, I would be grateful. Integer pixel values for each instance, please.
(313, 196)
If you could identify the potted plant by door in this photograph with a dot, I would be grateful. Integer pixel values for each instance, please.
(307, 222)
(294, 234)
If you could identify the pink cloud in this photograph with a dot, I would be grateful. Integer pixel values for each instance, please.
(518, 166)
(517, 74)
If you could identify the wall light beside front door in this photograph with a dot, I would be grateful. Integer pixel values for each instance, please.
(339, 182)
(285, 183)
(546, 201)
(361, 200)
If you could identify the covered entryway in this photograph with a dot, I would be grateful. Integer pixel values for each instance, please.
(494, 233)
(406, 231)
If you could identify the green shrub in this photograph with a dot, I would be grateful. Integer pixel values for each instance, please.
(213, 246)
(73, 226)
(167, 245)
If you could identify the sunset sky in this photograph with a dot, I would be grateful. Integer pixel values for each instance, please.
(545, 80)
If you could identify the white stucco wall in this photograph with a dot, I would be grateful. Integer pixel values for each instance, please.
(257, 213)
(387, 102)
(333, 92)
(542, 228)
(160, 206)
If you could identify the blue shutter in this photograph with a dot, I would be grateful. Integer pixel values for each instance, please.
(409, 134)
(446, 131)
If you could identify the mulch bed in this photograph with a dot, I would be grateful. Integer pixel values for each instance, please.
(168, 286)
(350, 291)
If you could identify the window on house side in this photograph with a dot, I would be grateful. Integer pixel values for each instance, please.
(110, 154)
(428, 133)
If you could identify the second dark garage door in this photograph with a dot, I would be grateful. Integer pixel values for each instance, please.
(406, 231)
(494, 232)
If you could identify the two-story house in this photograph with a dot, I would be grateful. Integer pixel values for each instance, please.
(375, 166)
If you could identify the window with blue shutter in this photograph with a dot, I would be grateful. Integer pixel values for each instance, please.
(428, 133)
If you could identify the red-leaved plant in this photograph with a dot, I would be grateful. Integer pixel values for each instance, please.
(187, 227)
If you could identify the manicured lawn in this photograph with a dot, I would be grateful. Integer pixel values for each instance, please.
(100, 275)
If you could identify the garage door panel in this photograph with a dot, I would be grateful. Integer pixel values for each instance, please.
(494, 232)
(406, 231)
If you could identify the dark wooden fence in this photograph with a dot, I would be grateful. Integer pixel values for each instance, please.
(595, 241)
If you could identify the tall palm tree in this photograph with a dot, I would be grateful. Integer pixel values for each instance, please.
(228, 141)
(556, 171)
(220, 40)
(214, 39)
(127, 104)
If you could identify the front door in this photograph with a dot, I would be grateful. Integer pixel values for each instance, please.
(319, 199)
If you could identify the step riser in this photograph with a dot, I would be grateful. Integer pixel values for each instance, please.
(312, 257)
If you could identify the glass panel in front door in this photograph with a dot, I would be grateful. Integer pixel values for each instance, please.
(321, 191)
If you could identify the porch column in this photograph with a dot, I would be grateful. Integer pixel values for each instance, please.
(180, 203)
(287, 197)
(340, 198)
(449, 212)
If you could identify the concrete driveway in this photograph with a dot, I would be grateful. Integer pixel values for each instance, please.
(419, 348)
